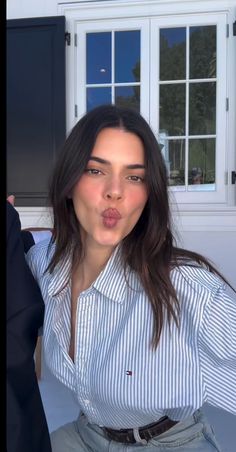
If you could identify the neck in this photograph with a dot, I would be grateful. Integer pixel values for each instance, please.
(91, 266)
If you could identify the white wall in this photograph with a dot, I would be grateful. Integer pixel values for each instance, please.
(17, 9)
(218, 245)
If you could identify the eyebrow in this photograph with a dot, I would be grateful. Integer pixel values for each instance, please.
(106, 162)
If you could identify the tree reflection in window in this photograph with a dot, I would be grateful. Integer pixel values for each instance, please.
(187, 104)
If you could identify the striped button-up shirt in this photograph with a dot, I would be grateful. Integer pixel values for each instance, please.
(118, 380)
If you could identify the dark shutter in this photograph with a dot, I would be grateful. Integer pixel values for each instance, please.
(35, 105)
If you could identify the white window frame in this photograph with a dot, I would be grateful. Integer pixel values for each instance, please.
(219, 195)
(198, 212)
(112, 26)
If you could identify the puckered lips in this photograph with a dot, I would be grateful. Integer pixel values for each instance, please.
(110, 217)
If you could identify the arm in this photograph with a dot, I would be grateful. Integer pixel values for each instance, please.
(30, 236)
(26, 423)
(217, 345)
(22, 290)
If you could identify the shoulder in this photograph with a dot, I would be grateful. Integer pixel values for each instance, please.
(39, 256)
(41, 234)
(11, 212)
(13, 219)
(197, 289)
(42, 250)
(195, 278)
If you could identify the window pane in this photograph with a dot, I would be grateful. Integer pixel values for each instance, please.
(202, 108)
(98, 57)
(201, 170)
(98, 96)
(127, 56)
(203, 52)
(177, 162)
(172, 54)
(128, 96)
(174, 154)
(172, 109)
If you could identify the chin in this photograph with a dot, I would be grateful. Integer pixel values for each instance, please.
(109, 241)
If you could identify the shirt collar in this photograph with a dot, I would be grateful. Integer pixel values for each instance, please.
(113, 282)
(60, 276)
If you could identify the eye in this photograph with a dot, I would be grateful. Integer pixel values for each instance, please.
(137, 179)
(93, 171)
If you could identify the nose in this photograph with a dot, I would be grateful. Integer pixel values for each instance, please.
(113, 195)
(113, 190)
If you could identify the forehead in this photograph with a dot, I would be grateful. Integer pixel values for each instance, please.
(114, 142)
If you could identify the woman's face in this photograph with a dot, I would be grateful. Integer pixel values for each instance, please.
(111, 194)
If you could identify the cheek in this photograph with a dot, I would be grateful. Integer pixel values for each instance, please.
(82, 192)
(138, 200)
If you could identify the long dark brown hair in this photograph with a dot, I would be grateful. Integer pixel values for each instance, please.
(149, 248)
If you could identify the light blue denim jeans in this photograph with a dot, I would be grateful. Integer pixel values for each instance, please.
(192, 434)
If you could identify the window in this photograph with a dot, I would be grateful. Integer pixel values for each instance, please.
(112, 72)
(175, 69)
(189, 85)
(113, 68)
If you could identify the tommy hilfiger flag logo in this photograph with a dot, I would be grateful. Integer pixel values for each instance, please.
(128, 372)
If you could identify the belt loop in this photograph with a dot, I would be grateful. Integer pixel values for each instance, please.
(137, 437)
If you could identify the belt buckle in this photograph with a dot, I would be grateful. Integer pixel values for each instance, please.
(138, 438)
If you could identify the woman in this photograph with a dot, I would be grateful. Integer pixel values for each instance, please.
(141, 331)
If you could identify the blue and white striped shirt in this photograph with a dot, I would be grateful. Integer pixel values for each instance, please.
(118, 380)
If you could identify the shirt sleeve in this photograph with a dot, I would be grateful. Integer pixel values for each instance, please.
(217, 348)
(31, 261)
(38, 236)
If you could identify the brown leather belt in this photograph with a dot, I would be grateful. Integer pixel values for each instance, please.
(145, 433)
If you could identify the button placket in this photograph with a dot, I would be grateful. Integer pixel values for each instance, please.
(84, 337)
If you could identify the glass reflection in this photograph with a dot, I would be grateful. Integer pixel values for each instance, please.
(201, 169)
(176, 162)
(172, 54)
(98, 57)
(172, 109)
(98, 96)
(202, 108)
(173, 152)
(128, 96)
(127, 56)
(203, 52)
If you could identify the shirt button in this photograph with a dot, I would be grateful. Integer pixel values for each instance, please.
(87, 402)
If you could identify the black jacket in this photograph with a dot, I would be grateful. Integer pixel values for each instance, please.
(27, 429)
